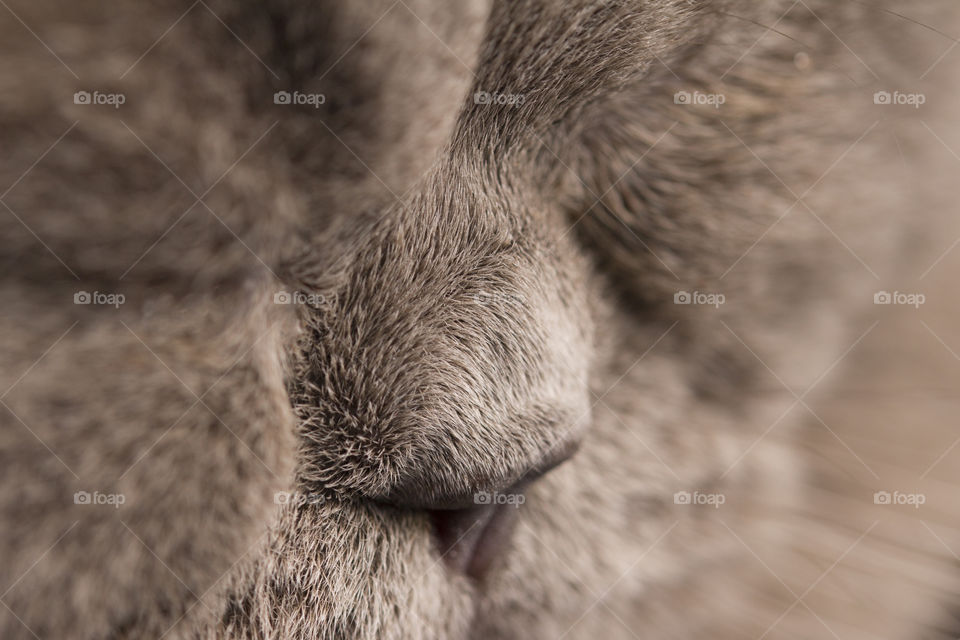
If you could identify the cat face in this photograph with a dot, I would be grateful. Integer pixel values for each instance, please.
(439, 320)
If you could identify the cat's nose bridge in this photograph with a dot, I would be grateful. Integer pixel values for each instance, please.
(453, 359)
(423, 400)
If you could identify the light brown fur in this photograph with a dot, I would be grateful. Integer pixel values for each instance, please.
(486, 283)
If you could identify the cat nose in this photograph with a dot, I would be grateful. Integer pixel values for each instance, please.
(452, 491)
(473, 536)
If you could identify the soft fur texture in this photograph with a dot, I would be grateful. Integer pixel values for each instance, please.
(479, 285)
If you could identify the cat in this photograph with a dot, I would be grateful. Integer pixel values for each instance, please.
(473, 319)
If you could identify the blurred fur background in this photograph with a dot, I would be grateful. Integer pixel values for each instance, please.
(485, 282)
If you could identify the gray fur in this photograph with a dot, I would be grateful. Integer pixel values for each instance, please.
(487, 282)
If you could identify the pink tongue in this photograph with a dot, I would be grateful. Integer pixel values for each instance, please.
(472, 539)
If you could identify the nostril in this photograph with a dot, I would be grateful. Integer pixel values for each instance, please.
(449, 490)
(471, 539)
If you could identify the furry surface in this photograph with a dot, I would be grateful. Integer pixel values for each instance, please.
(476, 285)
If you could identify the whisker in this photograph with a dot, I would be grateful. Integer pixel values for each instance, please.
(835, 66)
(907, 18)
(768, 28)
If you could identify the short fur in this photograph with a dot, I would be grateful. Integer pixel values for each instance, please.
(485, 283)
